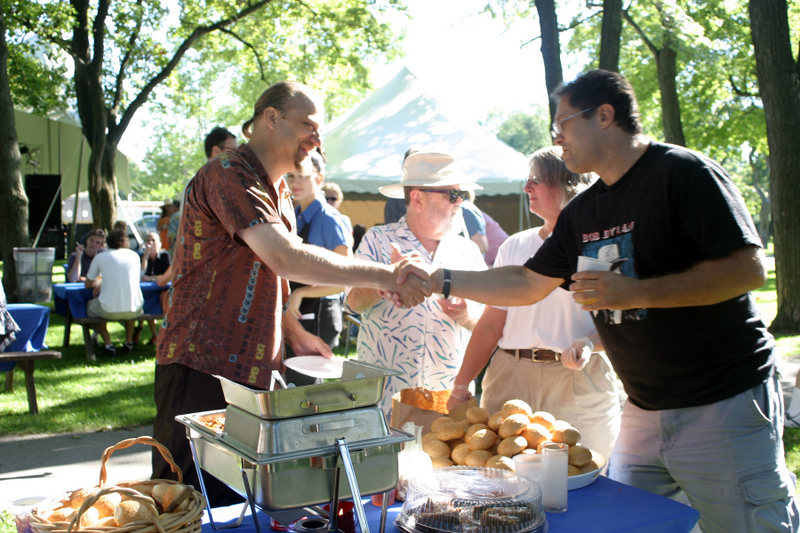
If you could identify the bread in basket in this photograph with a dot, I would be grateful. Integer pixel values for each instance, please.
(152, 506)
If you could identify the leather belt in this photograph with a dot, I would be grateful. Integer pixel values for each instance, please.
(536, 354)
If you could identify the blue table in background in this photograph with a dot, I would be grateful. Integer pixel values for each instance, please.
(605, 506)
(28, 347)
(70, 301)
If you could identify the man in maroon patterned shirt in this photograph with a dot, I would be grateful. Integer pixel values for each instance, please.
(235, 251)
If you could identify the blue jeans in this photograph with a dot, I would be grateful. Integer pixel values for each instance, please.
(726, 457)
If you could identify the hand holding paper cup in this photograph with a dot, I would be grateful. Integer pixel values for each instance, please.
(590, 263)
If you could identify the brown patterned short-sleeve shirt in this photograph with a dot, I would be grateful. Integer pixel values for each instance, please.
(225, 304)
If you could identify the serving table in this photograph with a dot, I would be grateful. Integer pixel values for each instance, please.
(605, 506)
(70, 301)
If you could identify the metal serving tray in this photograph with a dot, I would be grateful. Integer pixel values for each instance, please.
(361, 386)
(263, 438)
(289, 481)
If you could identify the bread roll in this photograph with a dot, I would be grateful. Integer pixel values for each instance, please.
(131, 511)
(459, 454)
(544, 418)
(591, 466)
(441, 462)
(495, 420)
(502, 462)
(511, 446)
(483, 439)
(513, 425)
(89, 518)
(478, 415)
(573, 470)
(568, 435)
(174, 491)
(439, 421)
(106, 504)
(579, 455)
(513, 407)
(427, 437)
(464, 423)
(108, 521)
(536, 434)
(79, 496)
(161, 488)
(472, 429)
(449, 431)
(477, 458)
(436, 449)
(62, 514)
(455, 442)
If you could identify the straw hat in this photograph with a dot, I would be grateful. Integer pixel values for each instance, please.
(423, 169)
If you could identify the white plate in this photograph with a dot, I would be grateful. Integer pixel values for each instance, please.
(582, 480)
(316, 366)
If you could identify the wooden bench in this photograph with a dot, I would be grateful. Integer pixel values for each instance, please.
(87, 323)
(26, 361)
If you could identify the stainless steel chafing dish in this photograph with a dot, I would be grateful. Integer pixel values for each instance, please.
(361, 385)
(284, 449)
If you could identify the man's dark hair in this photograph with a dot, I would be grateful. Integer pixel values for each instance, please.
(117, 239)
(96, 233)
(592, 89)
(217, 137)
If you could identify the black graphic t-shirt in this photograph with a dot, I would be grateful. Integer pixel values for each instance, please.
(672, 210)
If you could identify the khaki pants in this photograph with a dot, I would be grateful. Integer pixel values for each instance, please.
(588, 399)
(95, 310)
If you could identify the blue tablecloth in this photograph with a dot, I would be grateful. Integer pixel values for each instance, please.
(73, 296)
(605, 506)
(33, 321)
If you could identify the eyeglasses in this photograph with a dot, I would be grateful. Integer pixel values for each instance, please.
(331, 199)
(557, 128)
(455, 194)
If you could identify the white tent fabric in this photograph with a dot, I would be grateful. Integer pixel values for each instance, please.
(54, 147)
(365, 146)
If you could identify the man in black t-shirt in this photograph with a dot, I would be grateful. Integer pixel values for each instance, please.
(679, 254)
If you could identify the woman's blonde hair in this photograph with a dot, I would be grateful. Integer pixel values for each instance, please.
(549, 168)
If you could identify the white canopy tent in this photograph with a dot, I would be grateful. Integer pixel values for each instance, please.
(365, 148)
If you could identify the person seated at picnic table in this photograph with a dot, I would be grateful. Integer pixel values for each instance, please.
(155, 262)
(79, 261)
(114, 278)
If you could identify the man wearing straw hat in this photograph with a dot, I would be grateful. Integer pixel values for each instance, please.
(428, 341)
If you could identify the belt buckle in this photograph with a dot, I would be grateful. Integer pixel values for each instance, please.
(545, 356)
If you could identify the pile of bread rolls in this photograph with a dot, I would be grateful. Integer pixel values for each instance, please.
(116, 509)
(491, 440)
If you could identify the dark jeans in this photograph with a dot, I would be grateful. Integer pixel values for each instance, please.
(180, 390)
(327, 325)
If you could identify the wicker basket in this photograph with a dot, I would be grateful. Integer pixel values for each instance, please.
(186, 521)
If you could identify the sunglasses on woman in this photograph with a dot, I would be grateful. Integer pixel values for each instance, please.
(454, 194)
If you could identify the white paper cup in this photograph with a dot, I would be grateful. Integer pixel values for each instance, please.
(590, 263)
(529, 466)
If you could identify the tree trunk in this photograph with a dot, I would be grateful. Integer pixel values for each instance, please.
(779, 86)
(13, 200)
(666, 63)
(610, 35)
(551, 49)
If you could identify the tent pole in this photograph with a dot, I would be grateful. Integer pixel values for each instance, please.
(49, 210)
(74, 229)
